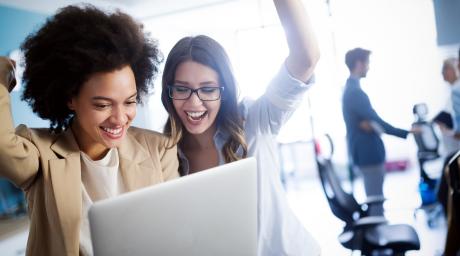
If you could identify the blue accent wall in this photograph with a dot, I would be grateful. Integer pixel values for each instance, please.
(15, 26)
(447, 14)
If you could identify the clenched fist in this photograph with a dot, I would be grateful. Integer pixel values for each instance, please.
(7, 73)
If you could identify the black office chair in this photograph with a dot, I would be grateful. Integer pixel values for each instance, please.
(427, 144)
(368, 234)
(453, 227)
(427, 141)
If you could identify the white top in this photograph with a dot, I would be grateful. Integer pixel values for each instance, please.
(100, 180)
(280, 233)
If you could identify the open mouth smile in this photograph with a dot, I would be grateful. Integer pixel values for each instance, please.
(196, 115)
(113, 133)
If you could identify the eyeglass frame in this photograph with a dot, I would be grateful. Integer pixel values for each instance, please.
(221, 89)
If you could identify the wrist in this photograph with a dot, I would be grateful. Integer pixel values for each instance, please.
(8, 80)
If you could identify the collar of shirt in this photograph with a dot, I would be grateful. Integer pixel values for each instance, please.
(219, 140)
(353, 81)
(220, 137)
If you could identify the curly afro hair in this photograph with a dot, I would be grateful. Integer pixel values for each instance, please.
(76, 43)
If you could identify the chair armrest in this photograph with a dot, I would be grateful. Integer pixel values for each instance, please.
(369, 221)
(374, 199)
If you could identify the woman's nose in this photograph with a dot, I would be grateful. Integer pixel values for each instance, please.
(119, 115)
(194, 99)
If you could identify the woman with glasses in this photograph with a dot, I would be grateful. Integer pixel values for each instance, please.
(211, 128)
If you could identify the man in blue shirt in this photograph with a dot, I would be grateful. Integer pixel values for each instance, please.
(364, 127)
(451, 143)
(456, 102)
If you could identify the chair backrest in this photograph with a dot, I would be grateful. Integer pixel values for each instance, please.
(427, 141)
(342, 204)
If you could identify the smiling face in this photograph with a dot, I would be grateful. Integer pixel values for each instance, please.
(196, 115)
(104, 109)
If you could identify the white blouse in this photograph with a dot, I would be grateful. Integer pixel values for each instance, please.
(280, 233)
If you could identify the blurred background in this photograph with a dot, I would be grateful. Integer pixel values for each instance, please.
(409, 40)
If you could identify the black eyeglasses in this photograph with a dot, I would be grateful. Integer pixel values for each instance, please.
(178, 92)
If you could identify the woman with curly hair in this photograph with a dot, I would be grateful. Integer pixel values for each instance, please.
(85, 71)
(210, 128)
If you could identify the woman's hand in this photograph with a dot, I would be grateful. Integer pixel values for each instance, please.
(7, 73)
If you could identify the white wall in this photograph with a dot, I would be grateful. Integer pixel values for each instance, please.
(405, 63)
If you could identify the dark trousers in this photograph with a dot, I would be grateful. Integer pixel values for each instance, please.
(443, 189)
(373, 176)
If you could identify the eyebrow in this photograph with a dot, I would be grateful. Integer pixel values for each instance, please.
(109, 99)
(202, 83)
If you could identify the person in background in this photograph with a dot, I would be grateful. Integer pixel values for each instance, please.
(450, 74)
(364, 128)
(211, 128)
(85, 72)
(452, 180)
(451, 144)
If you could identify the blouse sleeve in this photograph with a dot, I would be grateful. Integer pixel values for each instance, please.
(282, 97)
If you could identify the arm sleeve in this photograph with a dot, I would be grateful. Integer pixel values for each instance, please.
(282, 97)
(362, 106)
(19, 157)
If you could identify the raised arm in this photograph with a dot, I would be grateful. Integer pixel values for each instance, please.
(18, 156)
(284, 94)
(303, 47)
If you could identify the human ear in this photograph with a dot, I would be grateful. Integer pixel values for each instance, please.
(71, 104)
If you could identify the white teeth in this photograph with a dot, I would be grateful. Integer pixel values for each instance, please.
(195, 114)
(112, 131)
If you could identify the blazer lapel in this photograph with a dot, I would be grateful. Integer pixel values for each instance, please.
(136, 166)
(66, 181)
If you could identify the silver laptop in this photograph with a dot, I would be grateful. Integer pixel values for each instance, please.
(213, 212)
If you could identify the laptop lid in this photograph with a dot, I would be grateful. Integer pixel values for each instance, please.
(213, 212)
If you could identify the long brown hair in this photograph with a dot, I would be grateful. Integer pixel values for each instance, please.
(208, 52)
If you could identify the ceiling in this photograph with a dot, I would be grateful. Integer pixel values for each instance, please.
(141, 9)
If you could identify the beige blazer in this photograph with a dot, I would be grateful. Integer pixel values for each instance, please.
(47, 167)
